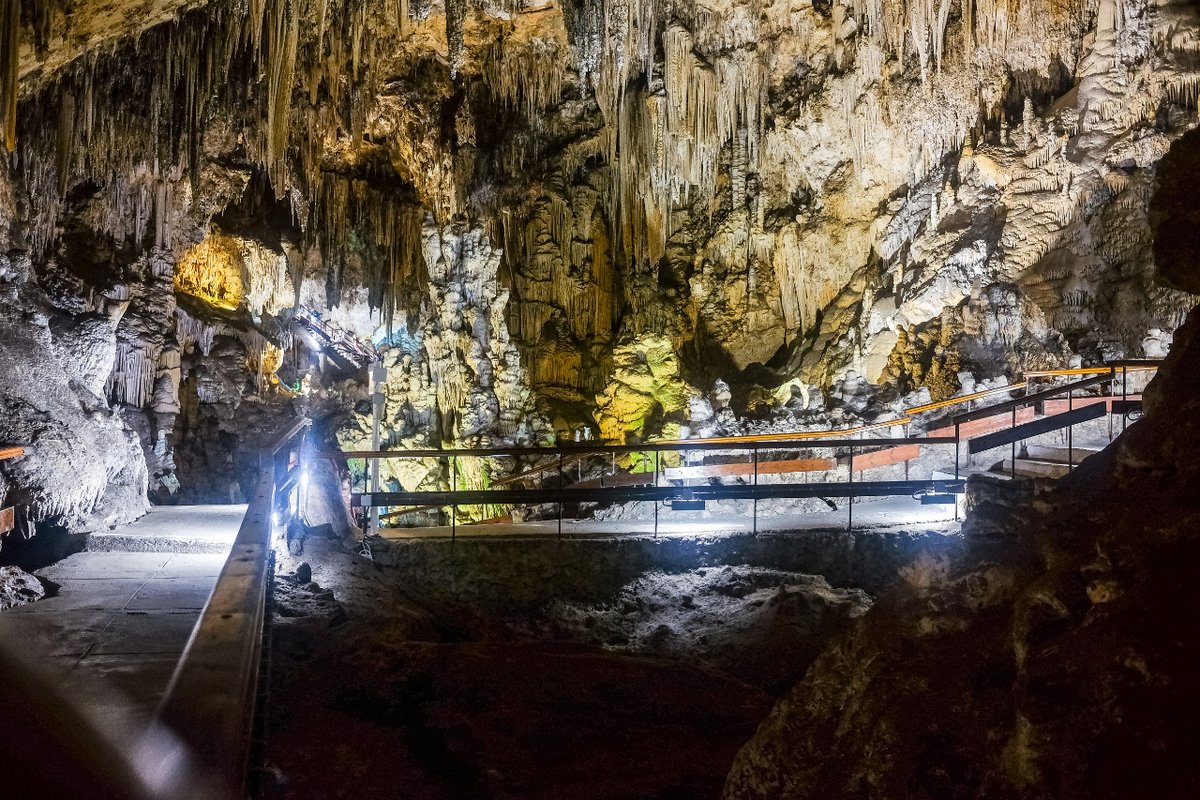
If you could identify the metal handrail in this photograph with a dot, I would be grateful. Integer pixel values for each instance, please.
(683, 445)
(210, 701)
(1134, 364)
(796, 435)
(625, 494)
(754, 444)
(1045, 394)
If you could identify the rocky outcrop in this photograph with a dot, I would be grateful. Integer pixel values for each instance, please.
(454, 378)
(1051, 658)
(854, 194)
(762, 626)
(18, 587)
(1174, 218)
(83, 466)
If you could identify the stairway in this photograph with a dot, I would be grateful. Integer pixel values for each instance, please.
(1044, 461)
(342, 347)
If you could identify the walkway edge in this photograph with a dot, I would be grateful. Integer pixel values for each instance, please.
(210, 702)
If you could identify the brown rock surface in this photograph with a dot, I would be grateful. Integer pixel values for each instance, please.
(1053, 657)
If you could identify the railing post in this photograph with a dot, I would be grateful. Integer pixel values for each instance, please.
(850, 504)
(957, 442)
(1124, 397)
(754, 512)
(657, 501)
(1013, 460)
(561, 480)
(1070, 432)
(1112, 393)
(453, 491)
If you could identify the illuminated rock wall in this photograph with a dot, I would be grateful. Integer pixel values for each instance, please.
(885, 194)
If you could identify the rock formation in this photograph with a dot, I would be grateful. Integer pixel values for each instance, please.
(559, 217)
(1050, 657)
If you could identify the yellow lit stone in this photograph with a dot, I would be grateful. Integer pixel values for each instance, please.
(212, 272)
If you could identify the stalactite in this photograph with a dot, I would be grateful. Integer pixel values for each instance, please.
(190, 332)
(526, 78)
(135, 133)
(939, 31)
(919, 31)
(132, 379)
(263, 357)
(10, 40)
(351, 219)
(282, 42)
(456, 20)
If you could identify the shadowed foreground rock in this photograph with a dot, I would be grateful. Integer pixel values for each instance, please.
(1055, 657)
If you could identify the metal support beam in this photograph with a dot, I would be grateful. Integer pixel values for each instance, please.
(1038, 426)
(628, 494)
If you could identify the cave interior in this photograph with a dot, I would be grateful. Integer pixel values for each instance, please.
(496, 233)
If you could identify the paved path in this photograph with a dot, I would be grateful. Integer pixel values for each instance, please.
(891, 512)
(115, 628)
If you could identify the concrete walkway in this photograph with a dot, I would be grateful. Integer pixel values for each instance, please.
(114, 630)
(901, 513)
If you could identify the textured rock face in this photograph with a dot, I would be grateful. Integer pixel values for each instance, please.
(18, 587)
(534, 204)
(455, 379)
(1052, 657)
(1174, 217)
(83, 466)
(761, 626)
(840, 190)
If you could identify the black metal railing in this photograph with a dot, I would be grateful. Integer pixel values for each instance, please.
(627, 486)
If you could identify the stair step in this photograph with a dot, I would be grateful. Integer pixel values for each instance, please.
(1059, 454)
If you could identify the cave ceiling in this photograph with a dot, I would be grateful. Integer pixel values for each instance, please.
(888, 192)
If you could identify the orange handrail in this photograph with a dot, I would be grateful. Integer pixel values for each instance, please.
(1051, 373)
(1114, 368)
(11, 452)
(953, 401)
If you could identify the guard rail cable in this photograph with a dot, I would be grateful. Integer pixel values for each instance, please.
(210, 703)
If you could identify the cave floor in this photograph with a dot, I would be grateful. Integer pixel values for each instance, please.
(175, 529)
(113, 630)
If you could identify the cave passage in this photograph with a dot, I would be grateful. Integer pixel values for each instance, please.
(610, 399)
